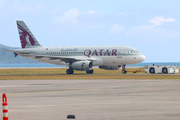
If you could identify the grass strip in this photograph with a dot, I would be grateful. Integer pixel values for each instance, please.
(60, 73)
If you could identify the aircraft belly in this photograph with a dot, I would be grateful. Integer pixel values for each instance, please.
(128, 60)
(110, 60)
(125, 60)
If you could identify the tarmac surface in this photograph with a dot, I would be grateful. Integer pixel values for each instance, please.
(92, 99)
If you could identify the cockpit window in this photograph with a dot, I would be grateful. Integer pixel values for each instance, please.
(133, 51)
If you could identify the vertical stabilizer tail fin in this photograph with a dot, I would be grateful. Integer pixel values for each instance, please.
(27, 39)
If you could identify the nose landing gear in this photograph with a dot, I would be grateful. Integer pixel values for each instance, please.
(123, 69)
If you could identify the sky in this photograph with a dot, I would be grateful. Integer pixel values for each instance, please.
(150, 26)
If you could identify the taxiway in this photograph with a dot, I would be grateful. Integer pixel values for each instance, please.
(92, 99)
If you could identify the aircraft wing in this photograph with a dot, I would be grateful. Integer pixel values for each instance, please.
(67, 59)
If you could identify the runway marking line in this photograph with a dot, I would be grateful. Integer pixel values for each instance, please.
(51, 91)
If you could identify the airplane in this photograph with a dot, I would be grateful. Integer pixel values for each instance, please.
(76, 58)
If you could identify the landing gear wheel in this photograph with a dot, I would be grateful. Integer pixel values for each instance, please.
(72, 71)
(69, 71)
(90, 71)
(123, 71)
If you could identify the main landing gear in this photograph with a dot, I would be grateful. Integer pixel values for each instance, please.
(90, 71)
(123, 69)
(69, 71)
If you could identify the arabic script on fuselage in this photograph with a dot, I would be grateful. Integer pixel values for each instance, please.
(69, 49)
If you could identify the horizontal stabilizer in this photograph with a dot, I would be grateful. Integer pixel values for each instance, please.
(18, 52)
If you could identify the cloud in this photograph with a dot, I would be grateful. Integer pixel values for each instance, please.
(26, 8)
(154, 28)
(92, 12)
(157, 21)
(69, 16)
(116, 29)
(57, 11)
(160, 20)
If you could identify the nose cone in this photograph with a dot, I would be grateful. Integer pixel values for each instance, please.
(142, 58)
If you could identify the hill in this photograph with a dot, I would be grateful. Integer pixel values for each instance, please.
(8, 57)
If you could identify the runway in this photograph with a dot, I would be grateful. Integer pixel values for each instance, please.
(92, 99)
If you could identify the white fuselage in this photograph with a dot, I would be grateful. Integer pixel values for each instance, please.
(101, 55)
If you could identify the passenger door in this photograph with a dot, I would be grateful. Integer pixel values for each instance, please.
(120, 50)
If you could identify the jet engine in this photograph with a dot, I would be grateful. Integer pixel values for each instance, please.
(82, 65)
(110, 67)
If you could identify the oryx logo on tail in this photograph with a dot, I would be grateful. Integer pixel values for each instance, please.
(25, 37)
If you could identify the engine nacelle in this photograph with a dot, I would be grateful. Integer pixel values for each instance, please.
(82, 65)
(110, 67)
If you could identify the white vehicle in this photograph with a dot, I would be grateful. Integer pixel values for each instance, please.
(77, 58)
(165, 69)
